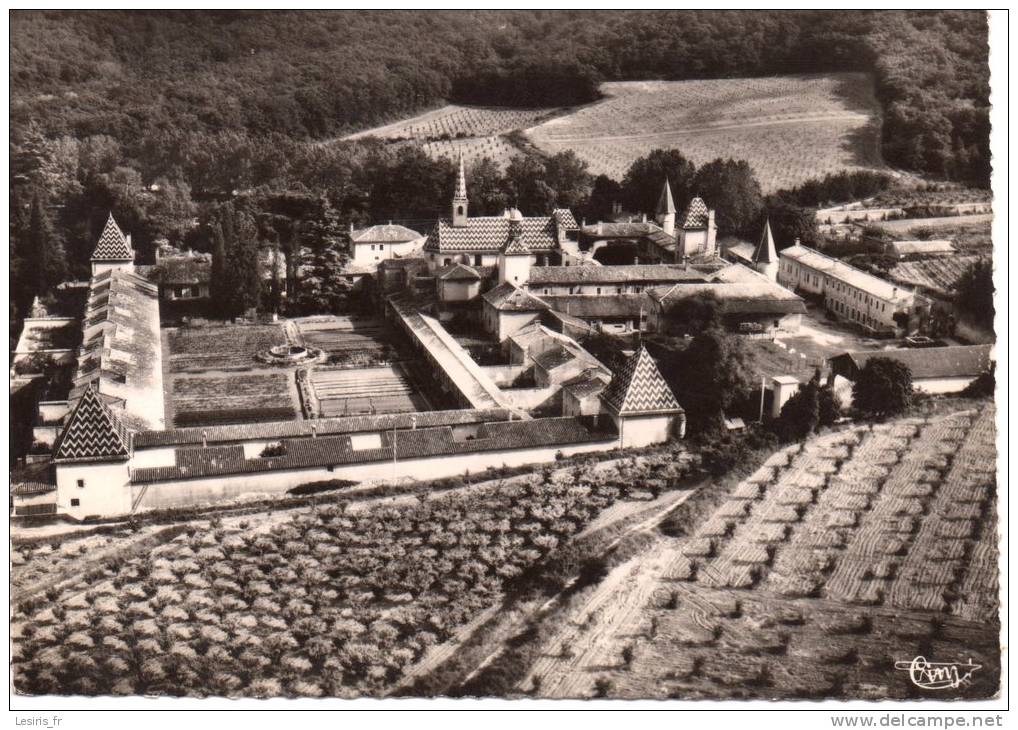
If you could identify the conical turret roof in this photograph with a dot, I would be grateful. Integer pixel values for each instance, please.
(112, 244)
(94, 433)
(639, 388)
(766, 252)
(666, 204)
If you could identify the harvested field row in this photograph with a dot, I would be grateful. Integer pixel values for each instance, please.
(925, 583)
(870, 562)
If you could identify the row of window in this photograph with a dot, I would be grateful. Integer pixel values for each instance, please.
(636, 289)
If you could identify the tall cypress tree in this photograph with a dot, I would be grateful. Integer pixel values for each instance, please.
(45, 248)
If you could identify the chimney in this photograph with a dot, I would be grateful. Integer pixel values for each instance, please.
(600, 228)
(351, 226)
(644, 218)
(314, 430)
(204, 439)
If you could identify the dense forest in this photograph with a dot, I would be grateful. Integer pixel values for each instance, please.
(167, 117)
(137, 76)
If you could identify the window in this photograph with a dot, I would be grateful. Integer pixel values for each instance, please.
(75, 502)
(459, 210)
(330, 467)
(477, 259)
(599, 290)
(81, 483)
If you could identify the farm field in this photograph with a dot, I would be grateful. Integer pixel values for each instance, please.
(208, 400)
(760, 120)
(833, 561)
(357, 391)
(476, 132)
(331, 601)
(905, 225)
(347, 340)
(212, 377)
(231, 347)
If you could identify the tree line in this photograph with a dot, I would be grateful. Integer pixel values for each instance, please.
(310, 75)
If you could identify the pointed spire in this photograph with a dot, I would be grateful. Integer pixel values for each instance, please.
(461, 181)
(113, 245)
(766, 252)
(93, 433)
(665, 204)
(638, 387)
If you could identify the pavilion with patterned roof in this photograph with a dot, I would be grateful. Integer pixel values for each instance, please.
(113, 251)
(641, 403)
(697, 231)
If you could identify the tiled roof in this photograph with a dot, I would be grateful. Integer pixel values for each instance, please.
(516, 244)
(121, 356)
(604, 307)
(554, 357)
(612, 274)
(27, 489)
(490, 233)
(112, 244)
(508, 298)
(850, 275)
(740, 297)
(93, 433)
(306, 453)
(696, 214)
(321, 427)
(766, 252)
(179, 270)
(639, 388)
(665, 204)
(388, 233)
(632, 229)
(586, 386)
(459, 272)
(930, 362)
(565, 218)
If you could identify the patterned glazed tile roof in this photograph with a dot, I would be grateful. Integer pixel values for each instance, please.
(639, 388)
(508, 298)
(766, 252)
(696, 214)
(565, 218)
(516, 244)
(490, 233)
(387, 233)
(93, 433)
(112, 244)
(461, 182)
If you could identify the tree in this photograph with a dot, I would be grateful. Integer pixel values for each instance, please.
(486, 188)
(790, 222)
(731, 188)
(641, 186)
(44, 248)
(567, 175)
(527, 185)
(711, 376)
(883, 387)
(604, 194)
(235, 284)
(800, 416)
(974, 292)
(323, 288)
(696, 314)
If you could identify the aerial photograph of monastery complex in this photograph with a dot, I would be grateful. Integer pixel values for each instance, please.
(514, 354)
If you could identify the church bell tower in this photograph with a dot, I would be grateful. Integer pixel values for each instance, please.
(459, 198)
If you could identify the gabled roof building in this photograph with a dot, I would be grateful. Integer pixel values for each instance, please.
(641, 403)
